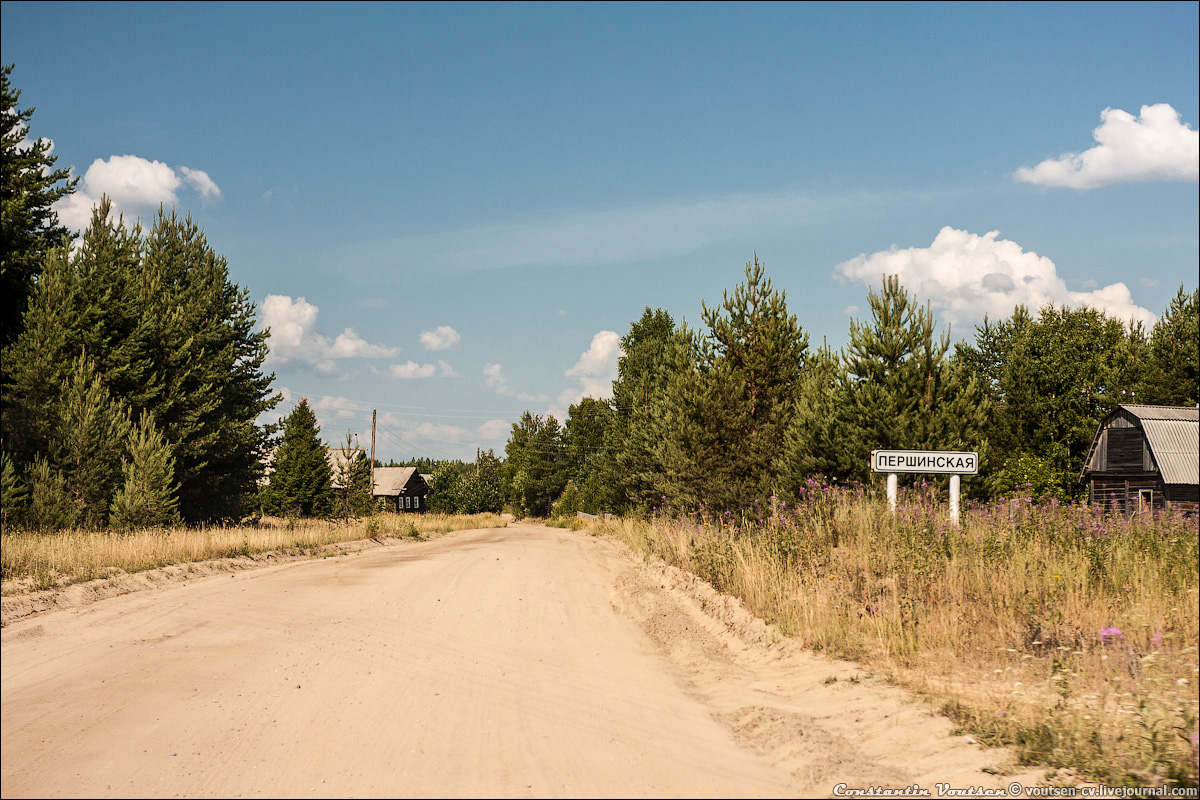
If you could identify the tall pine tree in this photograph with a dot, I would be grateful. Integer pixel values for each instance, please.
(301, 485)
(894, 389)
(169, 334)
(731, 398)
(29, 187)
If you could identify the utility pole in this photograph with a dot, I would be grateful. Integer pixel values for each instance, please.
(372, 457)
(476, 462)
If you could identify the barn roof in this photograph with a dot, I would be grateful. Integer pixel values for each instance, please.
(390, 481)
(1173, 433)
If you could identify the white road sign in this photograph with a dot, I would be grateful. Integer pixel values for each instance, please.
(946, 462)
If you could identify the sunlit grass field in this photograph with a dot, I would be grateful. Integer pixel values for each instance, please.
(1064, 632)
(33, 561)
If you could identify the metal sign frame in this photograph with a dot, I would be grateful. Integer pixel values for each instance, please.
(940, 462)
(954, 463)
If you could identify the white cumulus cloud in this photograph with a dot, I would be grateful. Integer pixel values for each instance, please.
(964, 276)
(411, 369)
(295, 338)
(136, 186)
(1155, 146)
(595, 370)
(442, 337)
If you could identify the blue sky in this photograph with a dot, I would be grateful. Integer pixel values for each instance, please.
(450, 213)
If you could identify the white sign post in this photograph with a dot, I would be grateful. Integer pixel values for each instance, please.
(943, 462)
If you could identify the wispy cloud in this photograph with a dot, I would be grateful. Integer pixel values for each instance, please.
(1155, 146)
(966, 276)
(136, 186)
(645, 232)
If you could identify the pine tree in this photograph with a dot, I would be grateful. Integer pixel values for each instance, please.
(147, 498)
(301, 483)
(51, 506)
(13, 492)
(351, 478)
(169, 334)
(29, 187)
(207, 361)
(894, 389)
(731, 399)
(88, 442)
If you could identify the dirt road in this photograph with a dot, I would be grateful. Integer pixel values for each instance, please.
(517, 662)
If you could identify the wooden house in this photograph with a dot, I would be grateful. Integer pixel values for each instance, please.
(402, 488)
(1146, 457)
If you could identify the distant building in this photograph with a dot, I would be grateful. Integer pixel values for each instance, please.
(1146, 457)
(403, 489)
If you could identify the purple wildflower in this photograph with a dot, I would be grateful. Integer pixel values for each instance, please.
(1110, 633)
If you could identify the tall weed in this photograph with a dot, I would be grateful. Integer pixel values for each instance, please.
(1063, 631)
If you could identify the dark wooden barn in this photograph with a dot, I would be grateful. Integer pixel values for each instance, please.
(403, 489)
(1146, 457)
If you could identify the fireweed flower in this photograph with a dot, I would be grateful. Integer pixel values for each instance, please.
(1110, 633)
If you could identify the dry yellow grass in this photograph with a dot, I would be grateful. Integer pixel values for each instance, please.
(1066, 633)
(33, 561)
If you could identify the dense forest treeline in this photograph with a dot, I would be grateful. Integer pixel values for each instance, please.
(743, 410)
(132, 382)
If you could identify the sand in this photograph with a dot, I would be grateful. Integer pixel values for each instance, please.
(517, 662)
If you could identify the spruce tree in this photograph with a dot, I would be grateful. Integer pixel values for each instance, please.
(632, 469)
(585, 453)
(1171, 373)
(300, 486)
(813, 444)
(207, 360)
(535, 464)
(147, 498)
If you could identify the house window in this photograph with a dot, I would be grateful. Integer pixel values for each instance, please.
(1145, 499)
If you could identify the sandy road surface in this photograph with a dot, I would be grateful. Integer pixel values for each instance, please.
(516, 662)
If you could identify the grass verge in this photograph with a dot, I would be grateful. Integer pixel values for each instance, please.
(37, 561)
(1063, 632)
